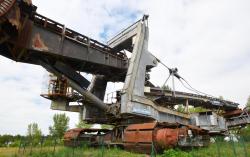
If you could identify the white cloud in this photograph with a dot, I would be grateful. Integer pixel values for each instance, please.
(20, 101)
(207, 41)
(90, 17)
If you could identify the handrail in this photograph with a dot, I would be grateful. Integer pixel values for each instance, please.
(73, 35)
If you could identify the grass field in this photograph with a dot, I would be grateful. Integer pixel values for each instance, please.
(224, 149)
(7, 152)
(67, 152)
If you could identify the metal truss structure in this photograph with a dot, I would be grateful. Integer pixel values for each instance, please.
(141, 113)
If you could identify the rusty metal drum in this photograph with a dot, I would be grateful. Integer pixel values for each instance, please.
(167, 138)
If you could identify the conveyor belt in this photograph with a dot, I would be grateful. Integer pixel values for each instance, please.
(60, 29)
(193, 99)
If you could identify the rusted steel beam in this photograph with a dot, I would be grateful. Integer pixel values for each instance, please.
(237, 118)
(234, 113)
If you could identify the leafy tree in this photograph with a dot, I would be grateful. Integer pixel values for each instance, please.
(33, 130)
(105, 126)
(197, 109)
(166, 87)
(180, 108)
(5, 140)
(10, 140)
(248, 102)
(246, 130)
(191, 109)
(34, 133)
(83, 124)
(60, 126)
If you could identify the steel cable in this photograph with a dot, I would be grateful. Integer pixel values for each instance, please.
(180, 78)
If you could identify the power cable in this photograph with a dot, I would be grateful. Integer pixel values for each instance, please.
(164, 65)
(174, 72)
(187, 87)
(196, 89)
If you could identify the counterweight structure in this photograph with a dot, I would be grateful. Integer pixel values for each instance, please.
(142, 114)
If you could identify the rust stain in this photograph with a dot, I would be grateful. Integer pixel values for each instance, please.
(168, 138)
(14, 17)
(233, 113)
(143, 126)
(78, 135)
(38, 43)
(138, 136)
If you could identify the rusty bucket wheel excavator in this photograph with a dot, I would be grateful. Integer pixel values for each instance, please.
(143, 115)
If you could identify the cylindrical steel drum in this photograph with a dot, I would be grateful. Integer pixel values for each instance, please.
(168, 138)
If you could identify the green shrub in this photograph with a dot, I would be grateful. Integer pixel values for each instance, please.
(15, 143)
(175, 153)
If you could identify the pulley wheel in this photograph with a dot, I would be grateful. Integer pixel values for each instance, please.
(5, 6)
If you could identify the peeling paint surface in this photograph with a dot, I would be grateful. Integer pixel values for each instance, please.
(14, 17)
(38, 43)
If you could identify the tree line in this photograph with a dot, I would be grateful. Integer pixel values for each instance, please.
(35, 136)
(60, 126)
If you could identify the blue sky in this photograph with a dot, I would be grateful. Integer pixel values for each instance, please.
(207, 40)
